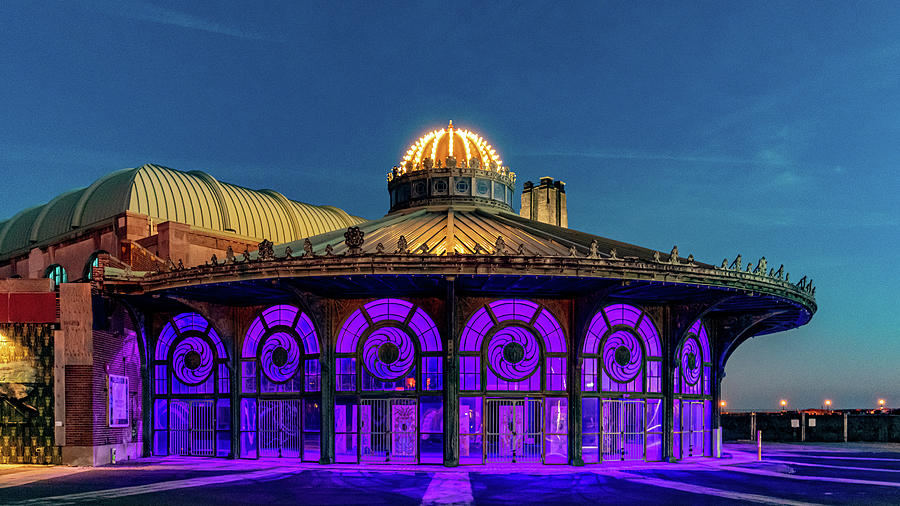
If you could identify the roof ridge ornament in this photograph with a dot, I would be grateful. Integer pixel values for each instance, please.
(402, 245)
(593, 250)
(266, 250)
(673, 255)
(500, 246)
(354, 238)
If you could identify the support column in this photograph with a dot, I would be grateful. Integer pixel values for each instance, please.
(668, 349)
(327, 364)
(146, 385)
(451, 379)
(574, 386)
(234, 365)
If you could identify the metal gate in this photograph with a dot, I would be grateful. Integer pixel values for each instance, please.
(279, 428)
(514, 430)
(388, 430)
(692, 429)
(192, 428)
(623, 429)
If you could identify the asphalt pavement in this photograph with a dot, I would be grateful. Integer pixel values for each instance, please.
(855, 473)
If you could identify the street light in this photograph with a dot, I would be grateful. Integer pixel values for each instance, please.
(783, 404)
(881, 403)
(722, 405)
(828, 404)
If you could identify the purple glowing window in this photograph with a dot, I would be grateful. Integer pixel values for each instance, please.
(388, 309)
(517, 333)
(629, 350)
(388, 353)
(425, 329)
(190, 321)
(692, 372)
(192, 360)
(282, 316)
(166, 337)
(623, 356)
(549, 328)
(470, 373)
(279, 339)
(432, 373)
(513, 309)
(345, 377)
(353, 328)
(622, 314)
(556, 373)
(513, 353)
(476, 328)
(195, 349)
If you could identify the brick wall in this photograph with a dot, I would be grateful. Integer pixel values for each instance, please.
(79, 398)
(115, 352)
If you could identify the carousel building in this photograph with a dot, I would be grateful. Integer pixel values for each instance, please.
(450, 331)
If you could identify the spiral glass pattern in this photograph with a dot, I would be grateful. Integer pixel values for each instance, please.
(183, 367)
(387, 336)
(498, 360)
(690, 360)
(622, 356)
(268, 357)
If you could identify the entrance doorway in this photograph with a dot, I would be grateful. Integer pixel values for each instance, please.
(192, 428)
(623, 429)
(388, 430)
(692, 431)
(280, 432)
(514, 430)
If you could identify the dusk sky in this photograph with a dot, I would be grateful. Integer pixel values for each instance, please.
(766, 129)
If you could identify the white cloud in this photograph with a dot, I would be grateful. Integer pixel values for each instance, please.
(142, 11)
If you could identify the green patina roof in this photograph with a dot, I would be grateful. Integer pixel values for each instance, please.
(165, 194)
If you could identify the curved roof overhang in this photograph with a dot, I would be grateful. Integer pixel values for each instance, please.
(728, 293)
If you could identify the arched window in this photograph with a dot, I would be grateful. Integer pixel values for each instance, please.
(93, 261)
(506, 344)
(622, 352)
(621, 385)
(389, 359)
(280, 386)
(513, 345)
(57, 275)
(693, 396)
(386, 335)
(191, 409)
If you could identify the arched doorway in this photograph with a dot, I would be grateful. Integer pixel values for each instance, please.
(280, 386)
(513, 405)
(389, 377)
(191, 405)
(693, 398)
(621, 388)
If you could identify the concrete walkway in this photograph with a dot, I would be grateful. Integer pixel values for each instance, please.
(789, 474)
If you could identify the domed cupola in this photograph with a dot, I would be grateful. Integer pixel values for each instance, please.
(451, 165)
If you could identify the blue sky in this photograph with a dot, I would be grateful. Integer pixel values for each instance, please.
(723, 127)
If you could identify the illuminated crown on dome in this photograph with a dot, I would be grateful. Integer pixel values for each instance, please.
(451, 165)
(464, 148)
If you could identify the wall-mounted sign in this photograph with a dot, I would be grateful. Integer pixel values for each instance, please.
(118, 401)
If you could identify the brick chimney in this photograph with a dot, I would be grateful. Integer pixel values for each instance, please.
(545, 202)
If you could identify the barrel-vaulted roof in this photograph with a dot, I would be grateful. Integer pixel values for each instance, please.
(165, 194)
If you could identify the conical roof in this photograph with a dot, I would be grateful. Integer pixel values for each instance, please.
(453, 229)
